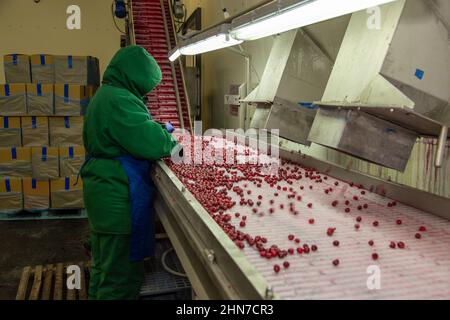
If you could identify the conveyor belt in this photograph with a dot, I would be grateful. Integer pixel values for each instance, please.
(153, 30)
(419, 271)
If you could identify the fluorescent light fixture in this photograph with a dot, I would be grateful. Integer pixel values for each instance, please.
(209, 40)
(174, 54)
(285, 15)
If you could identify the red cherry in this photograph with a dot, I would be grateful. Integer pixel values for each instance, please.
(299, 198)
(297, 240)
(291, 251)
(334, 203)
(260, 197)
(401, 245)
(314, 247)
(330, 231)
(375, 223)
(371, 243)
(355, 198)
(336, 183)
(271, 201)
(299, 250)
(281, 206)
(360, 208)
(286, 264)
(291, 237)
(357, 226)
(237, 215)
(358, 219)
(365, 206)
(271, 210)
(399, 222)
(422, 229)
(336, 243)
(392, 245)
(418, 236)
(375, 256)
(244, 218)
(363, 192)
(347, 210)
(305, 249)
(276, 268)
(310, 205)
(242, 224)
(336, 262)
(347, 202)
(311, 221)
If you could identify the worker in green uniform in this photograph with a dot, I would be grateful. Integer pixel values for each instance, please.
(121, 139)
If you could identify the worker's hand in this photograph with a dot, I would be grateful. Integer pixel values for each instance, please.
(169, 127)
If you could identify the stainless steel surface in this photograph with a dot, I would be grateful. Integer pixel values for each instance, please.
(400, 115)
(442, 144)
(388, 67)
(293, 121)
(363, 136)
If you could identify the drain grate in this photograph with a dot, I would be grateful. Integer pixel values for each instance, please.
(158, 283)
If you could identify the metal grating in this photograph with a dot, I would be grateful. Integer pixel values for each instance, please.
(158, 282)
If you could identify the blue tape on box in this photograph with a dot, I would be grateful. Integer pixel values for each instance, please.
(13, 153)
(67, 183)
(7, 185)
(67, 122)
(14, 56)
(66, 93)
(44, 153)
(7, 90)
(33, 123)
(33, 184)
(70, 62)
(42, 56)
(71, 152)
(39, 89)
(5, 122)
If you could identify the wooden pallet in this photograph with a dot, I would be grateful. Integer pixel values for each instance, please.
(49, 283)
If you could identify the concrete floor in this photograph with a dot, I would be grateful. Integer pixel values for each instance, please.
(29, 243)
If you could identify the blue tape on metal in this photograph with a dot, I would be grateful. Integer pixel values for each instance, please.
(39, 89)
(14, 56)
(7, 90)
(70, 62)
(33, 183)
(419, 74)
(42, 59)
(67, 182)
(33, 122)
(44, 153)
(307, 105)
(5, 122)
(70, 152)
(66, 93)
(67, 122)
(13, 153)
(7, 185)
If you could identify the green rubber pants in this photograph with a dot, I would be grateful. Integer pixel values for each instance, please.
(113, 276)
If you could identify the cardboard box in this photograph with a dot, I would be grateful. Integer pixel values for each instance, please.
(70, 99)
(40, 99)
(65, 193)
(17, 68)
(71, 159)
(15, 162)
(42, 68)
(66, 131)
(11, 195)
(45, 162)
(82, 70)
(35, 132)
(10, 132)
(36, 194)
(13, 99)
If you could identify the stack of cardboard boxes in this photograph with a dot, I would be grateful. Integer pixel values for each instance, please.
(41, 123)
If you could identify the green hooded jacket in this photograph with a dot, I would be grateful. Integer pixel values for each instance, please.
(117, 123)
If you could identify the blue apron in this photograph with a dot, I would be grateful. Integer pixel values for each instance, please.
(142, 214)
(141, 191)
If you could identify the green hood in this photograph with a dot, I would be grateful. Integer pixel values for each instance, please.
(134, 69)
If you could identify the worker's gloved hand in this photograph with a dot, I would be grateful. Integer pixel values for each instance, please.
(169, 127)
